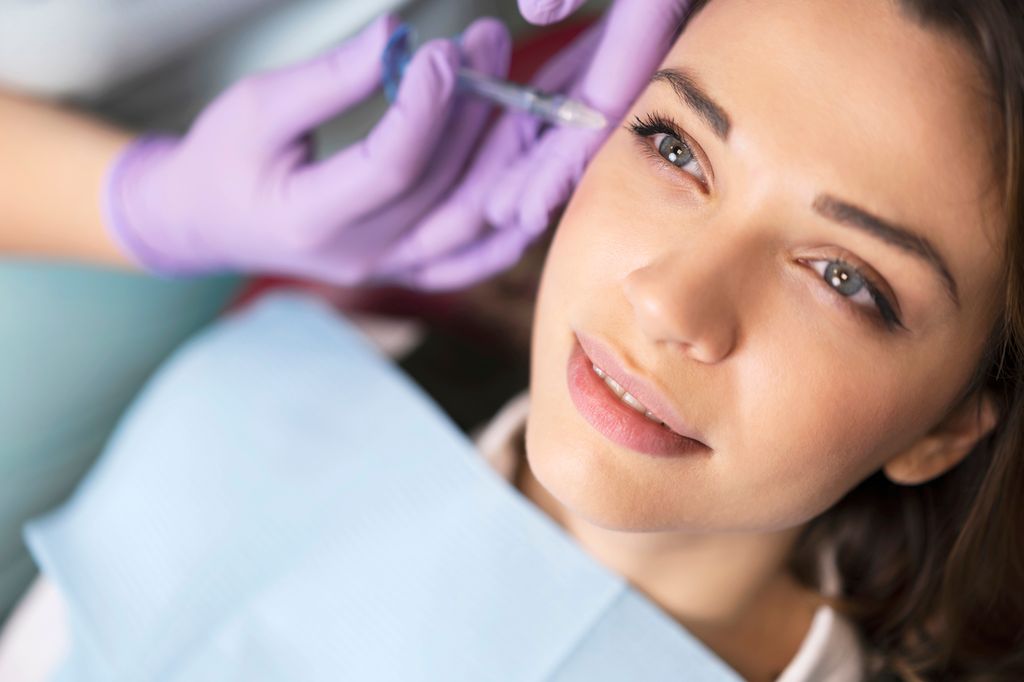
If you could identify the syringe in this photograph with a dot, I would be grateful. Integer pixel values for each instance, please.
(554, 108)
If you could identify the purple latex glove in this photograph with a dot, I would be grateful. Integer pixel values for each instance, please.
(240, 192)
(525, 171)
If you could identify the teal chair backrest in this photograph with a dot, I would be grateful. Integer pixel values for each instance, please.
(75, 345)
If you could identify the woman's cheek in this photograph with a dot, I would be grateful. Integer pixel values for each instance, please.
(837, 424)
(596, 222)
(798, 428)
(618, 212)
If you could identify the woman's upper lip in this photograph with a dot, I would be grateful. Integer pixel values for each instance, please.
(640, 387)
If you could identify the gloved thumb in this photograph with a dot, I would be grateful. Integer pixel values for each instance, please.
(547, 11)
(298, 98)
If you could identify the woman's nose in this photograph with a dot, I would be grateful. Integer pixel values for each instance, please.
(681, 300)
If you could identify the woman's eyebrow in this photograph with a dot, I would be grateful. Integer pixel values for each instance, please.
(691, 93)
(906, 240)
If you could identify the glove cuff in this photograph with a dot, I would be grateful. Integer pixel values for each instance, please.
(123, 207)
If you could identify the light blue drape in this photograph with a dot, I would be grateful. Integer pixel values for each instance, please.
(283, 503)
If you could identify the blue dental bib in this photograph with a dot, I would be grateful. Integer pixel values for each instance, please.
(283, 503)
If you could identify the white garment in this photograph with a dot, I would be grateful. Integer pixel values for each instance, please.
(831, 650)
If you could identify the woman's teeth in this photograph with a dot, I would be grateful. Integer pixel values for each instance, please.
(625, 396)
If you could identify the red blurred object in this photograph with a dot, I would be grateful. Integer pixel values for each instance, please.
(533, 51)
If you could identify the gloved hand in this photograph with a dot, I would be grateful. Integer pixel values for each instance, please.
(240, 192)
(525, 171)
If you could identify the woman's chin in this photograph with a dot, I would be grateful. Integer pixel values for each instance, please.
(573, 481)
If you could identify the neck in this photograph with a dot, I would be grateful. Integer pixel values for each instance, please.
(728, 590)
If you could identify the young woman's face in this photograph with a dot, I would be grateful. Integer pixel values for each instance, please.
(739, 250)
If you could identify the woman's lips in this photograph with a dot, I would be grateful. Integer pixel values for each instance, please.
(619, 422)
(640, 387)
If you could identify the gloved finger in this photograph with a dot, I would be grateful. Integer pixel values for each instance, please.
(502, 207)
(477, 261)
(636, 37)
(296, 99)
(547, 11)
(487, 47)
(539, 182)
(464, 206)
(561, 162)
(370, 174)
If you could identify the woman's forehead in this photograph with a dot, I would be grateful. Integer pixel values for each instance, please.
(852, 98)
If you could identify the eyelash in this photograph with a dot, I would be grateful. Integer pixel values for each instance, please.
(884, 314)
(654, 124)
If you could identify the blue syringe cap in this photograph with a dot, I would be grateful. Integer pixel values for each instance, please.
(397, 54)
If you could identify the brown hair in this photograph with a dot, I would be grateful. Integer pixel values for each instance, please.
(933, 575)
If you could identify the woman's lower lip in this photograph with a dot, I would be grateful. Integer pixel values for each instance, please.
(617, 421)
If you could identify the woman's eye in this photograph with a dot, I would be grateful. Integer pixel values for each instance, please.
(858, 291)
(659, 135)
(679, 154)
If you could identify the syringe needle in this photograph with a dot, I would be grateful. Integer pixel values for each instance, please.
(553, 108)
